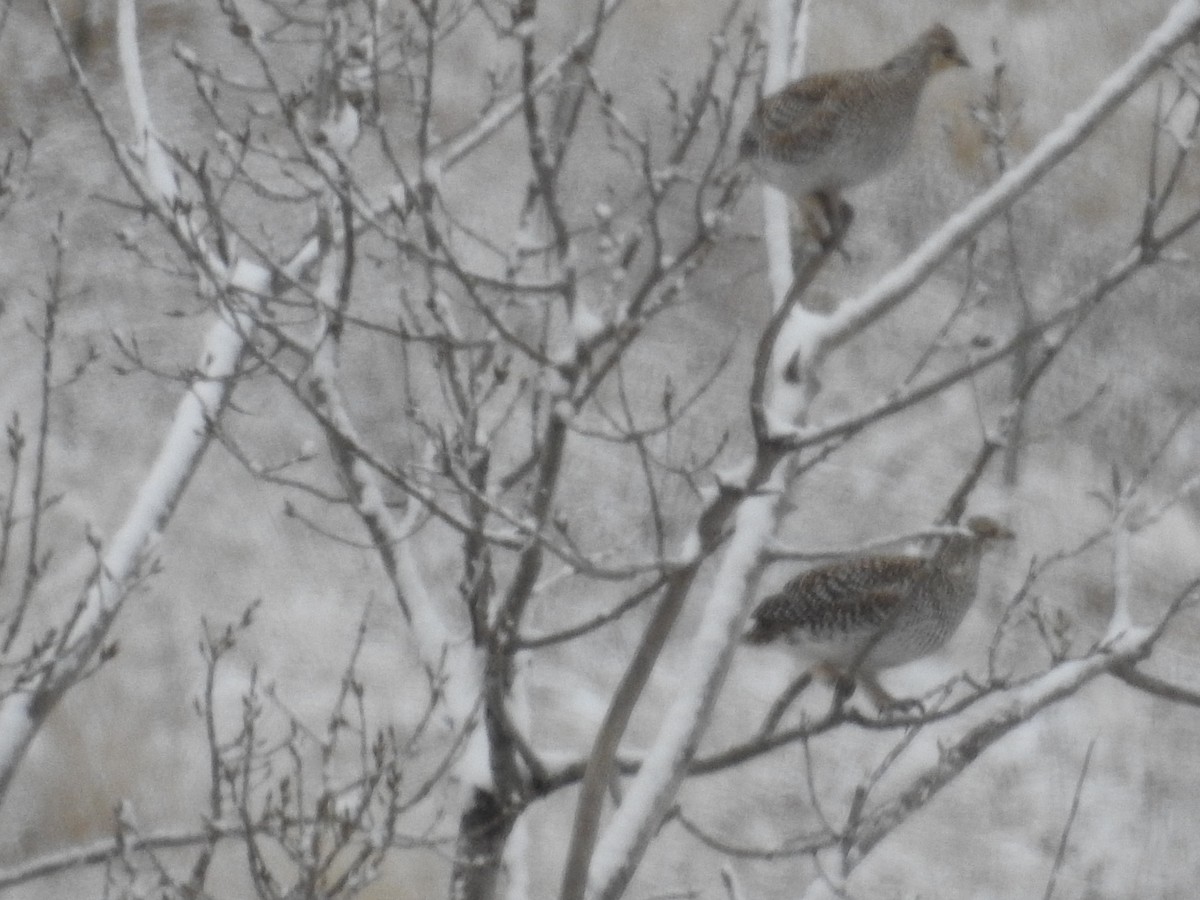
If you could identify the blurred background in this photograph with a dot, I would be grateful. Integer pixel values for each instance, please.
(131, 732)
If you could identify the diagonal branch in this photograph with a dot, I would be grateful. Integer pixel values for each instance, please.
(1156, 687)
(1059, 683)
(1116, 656)
(826, 333)
(128, 554)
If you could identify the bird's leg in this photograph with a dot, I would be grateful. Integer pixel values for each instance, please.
(823, 217)
(843, 684)
(810, 231)
(837, 215)
(843, 690)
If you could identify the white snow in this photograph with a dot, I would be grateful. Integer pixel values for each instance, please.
(856, 313)
(778, 240)
(637, 818)
(341, 130)
(689, 549)
(431, 171)
(16, 731)
(736, 474)
(586, 324)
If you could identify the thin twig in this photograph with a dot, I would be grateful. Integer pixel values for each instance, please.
(1066, 832)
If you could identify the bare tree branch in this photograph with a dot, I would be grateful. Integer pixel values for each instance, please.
(823, 334)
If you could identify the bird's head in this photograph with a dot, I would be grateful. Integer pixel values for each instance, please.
(941, 50)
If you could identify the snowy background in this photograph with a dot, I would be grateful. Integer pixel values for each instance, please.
(131, 733)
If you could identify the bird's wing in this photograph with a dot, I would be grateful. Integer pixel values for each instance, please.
(841, 581)
(847, 595)
(806, 109)
(870, 609)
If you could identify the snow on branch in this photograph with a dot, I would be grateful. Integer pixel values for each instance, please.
(635, 821)
(619, 849)
(107, 849)
(454, 150)
(621, 846)
(1116, 655)
(448, 658)
(787, 43)
(158, 166)
(127, 555)
(824, 334)
(1014, 710)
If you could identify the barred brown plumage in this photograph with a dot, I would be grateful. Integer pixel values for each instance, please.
(871, 613)
(833, 130)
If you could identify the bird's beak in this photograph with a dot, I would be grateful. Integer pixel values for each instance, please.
(959, 59)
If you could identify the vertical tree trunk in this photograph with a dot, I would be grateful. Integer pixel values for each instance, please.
(483, 830)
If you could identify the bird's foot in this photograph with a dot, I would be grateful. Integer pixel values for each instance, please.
(843, 689)
(843, 684)
(841, 217)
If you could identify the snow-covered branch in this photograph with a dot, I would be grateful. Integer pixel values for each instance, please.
(620, 847)
(787, 45)
(627, 836)
(823, 334)
(127, 555)
(107, 849)
(1013, 711)
(540, 422)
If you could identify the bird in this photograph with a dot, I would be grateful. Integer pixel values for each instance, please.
(833, 130)
(855, 617)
